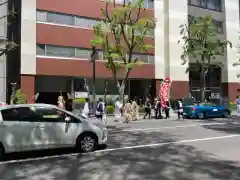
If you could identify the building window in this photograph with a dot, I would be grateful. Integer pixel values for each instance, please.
(86, 23)
(40, 50)
(60, 51)
(60, 18)
(215, 5)
(217, 24)
(81, 53)
(41, 16)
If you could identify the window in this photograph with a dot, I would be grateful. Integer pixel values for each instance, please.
(10, 114)
(60, 18)
(40, 49)
(141, 57)
(60, 51)
(86, 23)
(215, 5)
(41, 16)
(50, 114)
(18, 114)
(219, 26)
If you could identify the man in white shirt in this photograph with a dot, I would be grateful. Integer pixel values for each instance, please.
(117, 110)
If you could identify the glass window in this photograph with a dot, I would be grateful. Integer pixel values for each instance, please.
(40, 49)
(41, 16)
(49, 114)
(86, 23)
(60, 18)
(151, 59)
(214, 5)
(18, 114)
(141, 57)
(195, 2)
(60, 51)
(150, 4)
(10, 114)
(219, 26)
(82, 53)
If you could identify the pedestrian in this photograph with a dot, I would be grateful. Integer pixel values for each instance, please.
(148, 108)
(86, 109)
(135, 108)
(61, 102)
(127, 110)
(100, 109)
(158, 109)
(167, 109)
(117, 110)
(238, 105)
(180, 109)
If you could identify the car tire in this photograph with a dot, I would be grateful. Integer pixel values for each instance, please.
(201, 115)
(2, 152)
(86, 142)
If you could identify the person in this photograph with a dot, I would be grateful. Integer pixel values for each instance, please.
(167, 109)
(117, 110)
(135, 108)
(158, 114)
(100, 109)
(238, 105)
(147, 109)
(86, 111)
(61, 102)
(180, 109)
(127, 110)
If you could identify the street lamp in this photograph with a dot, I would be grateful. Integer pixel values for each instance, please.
(13, 86)
(93, 60)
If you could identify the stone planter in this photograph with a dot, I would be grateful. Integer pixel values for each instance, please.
(77, 106)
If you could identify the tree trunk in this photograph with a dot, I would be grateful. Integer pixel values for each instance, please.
(121, 88)
(203, 83)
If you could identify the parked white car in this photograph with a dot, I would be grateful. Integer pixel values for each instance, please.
(42, 126)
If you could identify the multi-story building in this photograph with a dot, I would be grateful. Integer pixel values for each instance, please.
(54, 48)
(171, 14)
(3, 36)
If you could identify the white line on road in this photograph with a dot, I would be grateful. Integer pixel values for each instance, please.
(171, 127)
(123, 148)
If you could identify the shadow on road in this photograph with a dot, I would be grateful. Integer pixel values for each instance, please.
(168, 162)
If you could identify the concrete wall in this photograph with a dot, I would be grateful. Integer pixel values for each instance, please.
(3, 35)
(28, 37)
(170, 14)
(232, 34)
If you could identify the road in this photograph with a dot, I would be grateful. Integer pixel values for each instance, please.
(145, 150)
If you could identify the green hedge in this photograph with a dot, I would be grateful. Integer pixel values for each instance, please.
(109, 109)
(79, 100)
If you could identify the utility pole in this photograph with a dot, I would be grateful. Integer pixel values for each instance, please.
(93, 60)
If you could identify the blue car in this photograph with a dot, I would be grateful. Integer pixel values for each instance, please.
(205, 110)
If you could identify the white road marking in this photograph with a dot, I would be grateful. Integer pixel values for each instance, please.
(171, 127)
(123, 148)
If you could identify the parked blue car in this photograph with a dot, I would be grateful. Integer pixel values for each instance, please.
(205, 110)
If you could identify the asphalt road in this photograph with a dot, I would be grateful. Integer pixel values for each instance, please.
(144, 150)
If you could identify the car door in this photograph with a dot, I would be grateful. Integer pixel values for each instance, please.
(9, 130)
(31, 129)
(57, 132)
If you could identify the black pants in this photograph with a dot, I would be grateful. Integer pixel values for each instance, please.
(180, 114)
(148, 113)
(158, 113)
(167, 112)
(99, 116)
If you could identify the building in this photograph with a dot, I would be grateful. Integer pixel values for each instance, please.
(167, 60)
(54, 49)
(3, 36)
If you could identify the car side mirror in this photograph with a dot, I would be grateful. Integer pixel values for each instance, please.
(67, 119)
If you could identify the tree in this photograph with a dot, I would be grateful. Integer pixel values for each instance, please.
(122, 32)
(6, 45)
(236, 64)
(202, 45)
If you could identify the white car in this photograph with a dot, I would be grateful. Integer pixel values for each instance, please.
(41, 126)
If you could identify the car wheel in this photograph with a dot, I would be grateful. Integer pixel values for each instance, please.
(86, 143)
(201, 115)
(226, 114)
(2, 151)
